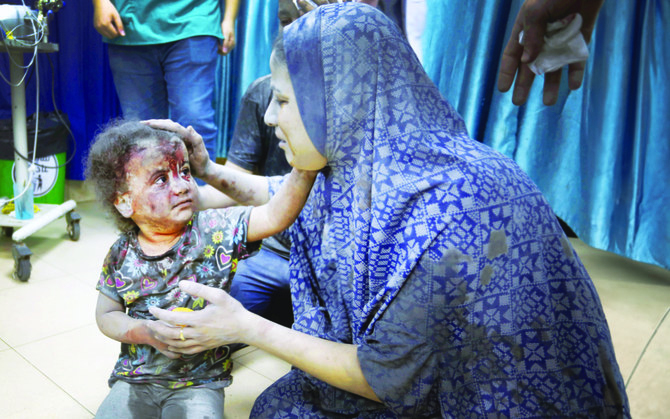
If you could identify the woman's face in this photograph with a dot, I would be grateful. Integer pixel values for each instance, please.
(284, 116)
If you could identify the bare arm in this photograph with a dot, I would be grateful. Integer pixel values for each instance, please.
(228, 26)
(210, 197)
(114, 323)
(283, 208)
(224, 320)
(245, 188)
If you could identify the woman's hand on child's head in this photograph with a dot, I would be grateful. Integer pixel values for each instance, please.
(197, 152)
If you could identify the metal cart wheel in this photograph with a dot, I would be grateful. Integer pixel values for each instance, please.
(73, 229)
(22, 266)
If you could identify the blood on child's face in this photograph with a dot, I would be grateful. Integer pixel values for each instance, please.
(161, 189)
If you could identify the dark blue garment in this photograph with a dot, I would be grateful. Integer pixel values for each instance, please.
(600, 154)
(172, 80)
(262, 286)
(432, 253)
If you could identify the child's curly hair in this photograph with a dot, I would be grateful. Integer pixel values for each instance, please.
(111, 150)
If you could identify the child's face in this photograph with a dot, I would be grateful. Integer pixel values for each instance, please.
(161, 191)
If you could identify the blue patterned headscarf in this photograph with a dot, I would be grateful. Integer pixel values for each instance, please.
(369, 107)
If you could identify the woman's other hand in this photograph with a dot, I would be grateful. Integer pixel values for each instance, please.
(221, 322)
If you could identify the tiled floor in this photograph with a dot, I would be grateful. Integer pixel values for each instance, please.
(54, 362)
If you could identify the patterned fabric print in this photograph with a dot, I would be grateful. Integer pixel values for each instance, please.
(434, 254)
(207, 253)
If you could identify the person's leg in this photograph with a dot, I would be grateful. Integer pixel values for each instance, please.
(261, 284)
(139, 81)
(128, 401)
(195, 403)
(190, 69)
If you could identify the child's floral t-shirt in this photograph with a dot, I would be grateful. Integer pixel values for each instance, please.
(207, 253)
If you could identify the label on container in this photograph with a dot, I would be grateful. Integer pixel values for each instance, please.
(45, 176)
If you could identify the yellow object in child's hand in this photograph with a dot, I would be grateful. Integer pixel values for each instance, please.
(182, 309)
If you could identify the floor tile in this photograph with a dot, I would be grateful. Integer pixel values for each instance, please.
(648, 389)
(240, 396)
(80, 361)
(635, 297)
(94, 217)
(36, 310)
(244, 351)
(40, 269)
(264, 364)
(25, 393)
(84, 256)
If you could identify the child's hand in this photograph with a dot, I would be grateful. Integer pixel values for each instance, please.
(158, 333)
(163, 348)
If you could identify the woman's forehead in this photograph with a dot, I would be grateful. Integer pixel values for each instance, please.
(280, 79)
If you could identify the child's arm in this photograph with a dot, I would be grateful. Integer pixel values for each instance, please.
(284, 207)
(209, 197)
(114, 323)
(245, 188)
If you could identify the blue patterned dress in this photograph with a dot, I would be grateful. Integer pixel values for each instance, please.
(434, 254)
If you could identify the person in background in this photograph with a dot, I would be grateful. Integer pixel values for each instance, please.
(532, 19)
(163, 57)
(430, 277)
(262, 281)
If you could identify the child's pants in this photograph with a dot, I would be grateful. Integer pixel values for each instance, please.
(153, 401)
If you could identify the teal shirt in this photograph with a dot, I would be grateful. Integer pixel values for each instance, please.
(149, 22)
